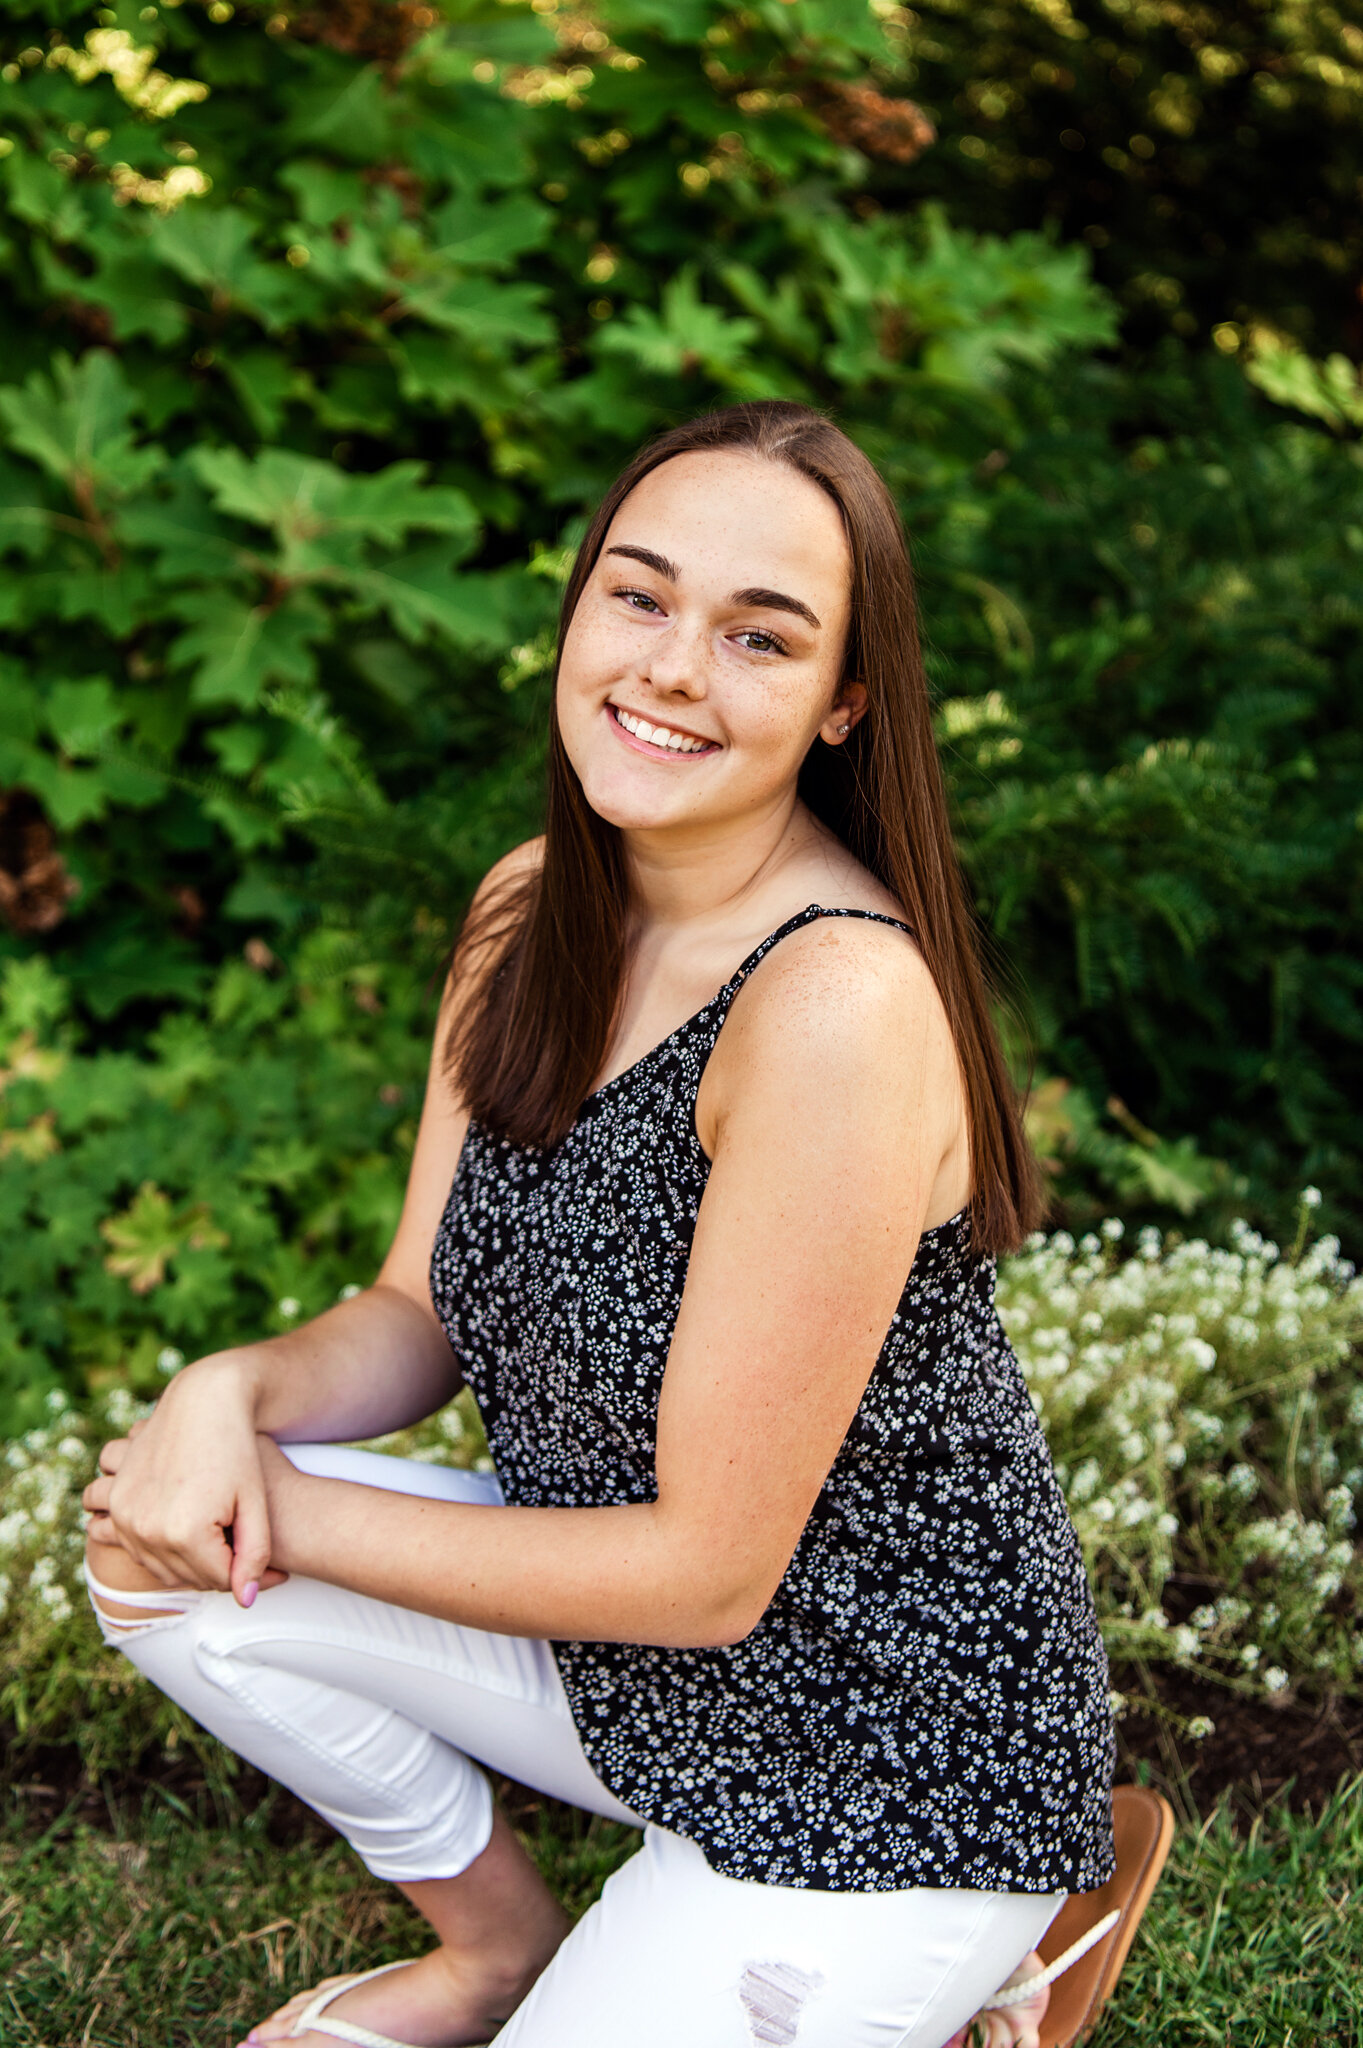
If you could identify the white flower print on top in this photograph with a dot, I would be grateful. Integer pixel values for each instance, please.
(926, 1699)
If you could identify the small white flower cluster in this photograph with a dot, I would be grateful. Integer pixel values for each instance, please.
(41, 1528)
(1200, 1410)
(452, 1436)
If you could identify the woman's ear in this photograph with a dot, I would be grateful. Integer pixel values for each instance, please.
(848, 707)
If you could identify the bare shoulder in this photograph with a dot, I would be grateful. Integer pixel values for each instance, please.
(508, 872)
(848, 989)
(495, 903)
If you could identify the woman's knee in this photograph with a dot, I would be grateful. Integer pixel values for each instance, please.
(127, 1599)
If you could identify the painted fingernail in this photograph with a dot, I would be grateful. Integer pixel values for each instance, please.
(248, 1594)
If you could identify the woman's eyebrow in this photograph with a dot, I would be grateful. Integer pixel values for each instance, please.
(649, 559)
(767, 600)
(774, 601)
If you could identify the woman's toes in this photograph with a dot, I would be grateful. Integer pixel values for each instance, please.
(279, 2025)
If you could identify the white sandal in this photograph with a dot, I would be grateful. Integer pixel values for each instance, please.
(310, 2020)
(1026, 1991)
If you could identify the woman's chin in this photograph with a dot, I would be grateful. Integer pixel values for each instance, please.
(621, 801)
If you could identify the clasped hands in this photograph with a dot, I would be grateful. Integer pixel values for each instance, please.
(209, 1531)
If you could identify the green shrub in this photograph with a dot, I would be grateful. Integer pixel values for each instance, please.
(1209, 156)
(1202, 1407)
(227, 1185)
(308, 350)
(1157, 796)
(323, 327)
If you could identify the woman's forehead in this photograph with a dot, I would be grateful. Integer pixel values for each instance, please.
(733, 519)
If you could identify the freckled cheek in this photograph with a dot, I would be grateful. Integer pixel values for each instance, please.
(772, 722)
(595, 657)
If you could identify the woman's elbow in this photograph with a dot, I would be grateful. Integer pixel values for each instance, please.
(731, 1629)
(719, 1620)
(706, 1595)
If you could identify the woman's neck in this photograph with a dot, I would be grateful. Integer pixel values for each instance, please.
(678, 880)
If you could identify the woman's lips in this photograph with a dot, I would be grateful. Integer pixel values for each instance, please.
(690, 747)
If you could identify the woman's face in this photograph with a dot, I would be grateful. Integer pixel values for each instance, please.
(705, 655)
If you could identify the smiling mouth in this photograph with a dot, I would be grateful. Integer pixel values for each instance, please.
(661, 739)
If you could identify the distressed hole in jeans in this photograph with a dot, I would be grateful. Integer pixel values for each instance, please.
(773, 1996)
(123, 1613)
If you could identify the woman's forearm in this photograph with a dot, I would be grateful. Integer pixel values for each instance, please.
(610, 1574)
(371, 1364)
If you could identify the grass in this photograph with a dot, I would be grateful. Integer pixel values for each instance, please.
(174, 1927)
(165, 1928)
(1254, 1937)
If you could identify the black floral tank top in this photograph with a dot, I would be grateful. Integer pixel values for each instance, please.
(925, 1701)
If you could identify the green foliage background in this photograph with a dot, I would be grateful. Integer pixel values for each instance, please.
(1208, 153)
(322, 326)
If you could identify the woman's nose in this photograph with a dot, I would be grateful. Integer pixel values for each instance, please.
(678, 660)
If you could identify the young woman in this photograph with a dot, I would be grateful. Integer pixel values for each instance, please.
(717, 1153)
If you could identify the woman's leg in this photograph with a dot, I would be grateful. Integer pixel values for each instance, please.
(370, 1714)
(676, 1956)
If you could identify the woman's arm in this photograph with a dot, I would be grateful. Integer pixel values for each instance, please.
(188, 1500)
(837, 1098)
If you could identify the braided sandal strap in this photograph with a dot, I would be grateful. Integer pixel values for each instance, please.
(311, 2021)
(1018, 1994)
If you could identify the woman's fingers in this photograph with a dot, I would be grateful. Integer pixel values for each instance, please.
(250, 1545)
(184, 1494)
(201, 1558)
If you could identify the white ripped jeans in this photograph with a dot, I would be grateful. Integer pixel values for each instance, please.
(371, 1714)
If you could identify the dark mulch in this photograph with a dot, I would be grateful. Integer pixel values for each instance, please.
(1258, 1748)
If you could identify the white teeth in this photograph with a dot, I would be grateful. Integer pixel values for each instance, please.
(659, 735)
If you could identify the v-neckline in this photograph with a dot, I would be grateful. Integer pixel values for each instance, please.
(811, 912)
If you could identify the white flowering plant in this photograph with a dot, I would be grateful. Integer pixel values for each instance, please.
(1207, 1428)
(1200, 1403)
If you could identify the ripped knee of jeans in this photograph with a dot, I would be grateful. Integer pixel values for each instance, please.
(149, 1610)
(774, 1995)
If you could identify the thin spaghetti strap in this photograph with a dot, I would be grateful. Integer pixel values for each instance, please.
(809, 915)
(875, 917)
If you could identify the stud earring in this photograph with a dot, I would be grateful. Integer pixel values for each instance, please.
(844, 728)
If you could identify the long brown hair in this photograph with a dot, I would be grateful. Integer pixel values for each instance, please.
(551, 946)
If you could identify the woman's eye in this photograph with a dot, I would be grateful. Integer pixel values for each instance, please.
(761, 642)
(639, 599)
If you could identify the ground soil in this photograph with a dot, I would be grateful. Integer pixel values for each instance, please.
(55, 1790)
(1259, 1749)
